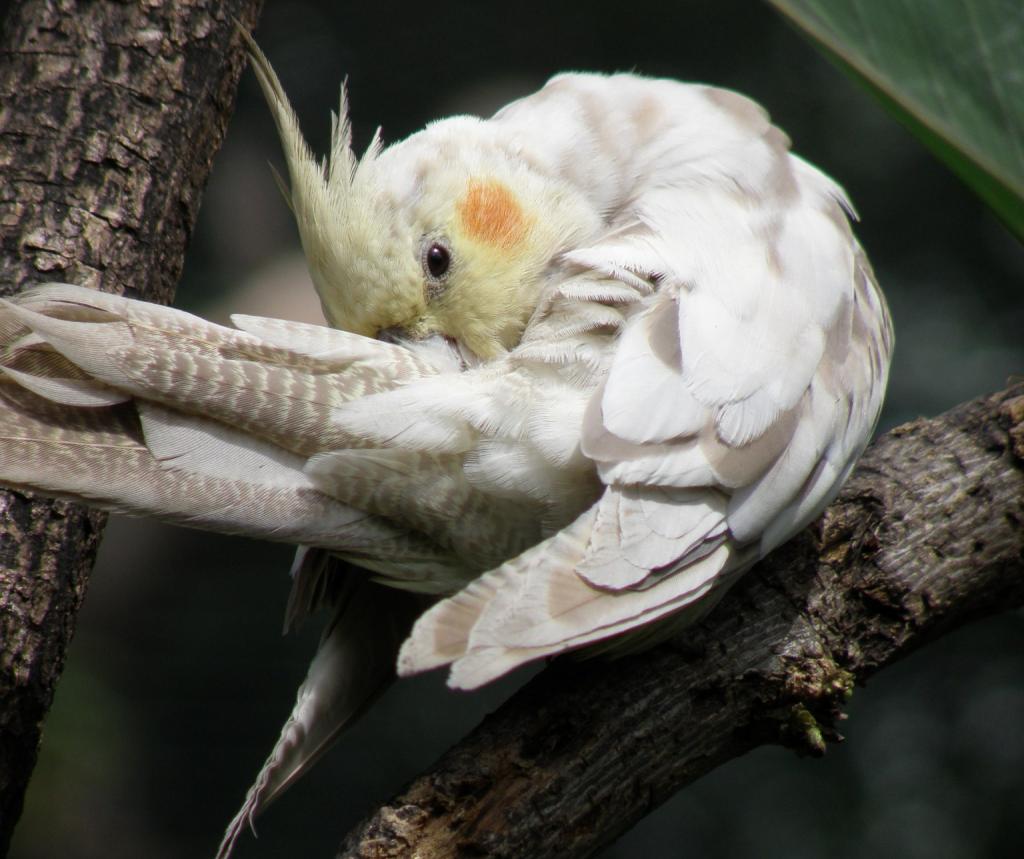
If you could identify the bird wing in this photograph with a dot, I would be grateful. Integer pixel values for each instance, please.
(152, 411)
(724, 411)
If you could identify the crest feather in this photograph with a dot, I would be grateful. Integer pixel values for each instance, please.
(320, 194)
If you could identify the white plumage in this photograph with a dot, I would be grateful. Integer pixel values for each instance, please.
(652, 354)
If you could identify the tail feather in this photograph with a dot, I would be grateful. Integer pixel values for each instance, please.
(100, 456)
(352, 667)
(83, 393)
(276, 392)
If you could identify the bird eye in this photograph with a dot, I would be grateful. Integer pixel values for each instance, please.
(437, 260)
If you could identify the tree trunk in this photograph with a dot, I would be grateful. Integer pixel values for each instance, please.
(928, 535)
(111, 115)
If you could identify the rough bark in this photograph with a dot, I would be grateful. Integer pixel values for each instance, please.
(110, 115)
(928, 535)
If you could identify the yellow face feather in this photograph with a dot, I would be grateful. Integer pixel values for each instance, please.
(495, 251)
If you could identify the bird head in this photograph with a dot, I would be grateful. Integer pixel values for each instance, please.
(448, 233)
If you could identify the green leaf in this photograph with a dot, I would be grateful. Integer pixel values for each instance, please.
(951, 70)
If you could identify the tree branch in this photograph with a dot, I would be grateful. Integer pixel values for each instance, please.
(927, 536)
(112, 113)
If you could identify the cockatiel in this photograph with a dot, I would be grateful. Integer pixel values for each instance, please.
(589, 360)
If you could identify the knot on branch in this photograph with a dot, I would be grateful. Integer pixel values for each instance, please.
(803, 692)
(392, 833)
(819, 689)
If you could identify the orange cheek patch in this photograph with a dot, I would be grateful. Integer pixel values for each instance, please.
(490, 214)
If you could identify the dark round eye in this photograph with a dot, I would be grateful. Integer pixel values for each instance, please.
(437, 259)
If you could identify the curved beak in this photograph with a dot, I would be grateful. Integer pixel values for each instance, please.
(395, 334)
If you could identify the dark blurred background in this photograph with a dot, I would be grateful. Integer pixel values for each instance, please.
(178, 680)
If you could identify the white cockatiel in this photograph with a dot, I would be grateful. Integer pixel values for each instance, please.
(589, 360)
